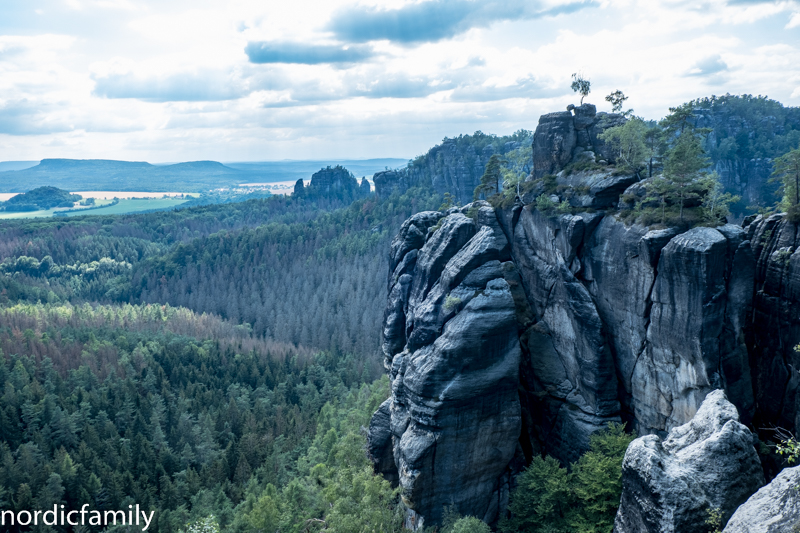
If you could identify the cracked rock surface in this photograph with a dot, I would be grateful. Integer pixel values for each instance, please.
(669, 485)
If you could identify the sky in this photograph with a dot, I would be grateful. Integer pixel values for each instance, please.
(241, 80)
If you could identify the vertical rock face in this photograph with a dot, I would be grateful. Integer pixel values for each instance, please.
(333, 181)
(387, 181)
(299, 188)
(513, 333)
(776, 321)
(451, 347)
(695, 339)
(775, 508)
(709, 463)
(518, 333)
(365, 187)
(571, 136)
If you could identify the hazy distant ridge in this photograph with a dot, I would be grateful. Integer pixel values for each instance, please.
(104, 174)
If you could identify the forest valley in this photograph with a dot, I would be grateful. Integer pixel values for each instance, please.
(219, 364)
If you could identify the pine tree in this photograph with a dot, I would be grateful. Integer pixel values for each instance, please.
(787, 173)
(492, 178)
(683, 168)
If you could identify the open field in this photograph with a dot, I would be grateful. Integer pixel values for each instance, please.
(133, 206)
(125, 205)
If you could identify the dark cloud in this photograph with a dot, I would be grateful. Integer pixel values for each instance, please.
(307, 54)
(710, 65)
(181, 87)
(436, 19)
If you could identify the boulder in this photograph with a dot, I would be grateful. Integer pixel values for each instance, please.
(708, 463)
(775, 508)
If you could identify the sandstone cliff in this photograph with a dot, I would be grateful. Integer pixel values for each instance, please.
(513, 332)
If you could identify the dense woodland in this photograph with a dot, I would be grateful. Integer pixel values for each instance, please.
(217, 364)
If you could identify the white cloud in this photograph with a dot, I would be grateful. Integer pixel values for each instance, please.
(170, 80)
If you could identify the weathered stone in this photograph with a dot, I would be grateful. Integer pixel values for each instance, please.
(365, 187)
(460, 411)
(299, 189)
(709, 463)
(333, 181)
(620, 271)
(455, 232)
(553, 142)
(386, 181)
(411, 236)
(685, 350)
(596, 189)
(775, 508)
(379, 443)
(775, 243)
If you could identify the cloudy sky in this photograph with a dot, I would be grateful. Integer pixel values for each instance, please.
(242, 80)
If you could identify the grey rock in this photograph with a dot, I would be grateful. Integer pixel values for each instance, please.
(453, 234)
(602, 188)
(387, 181)
(379, 443)
(565, 356)
(584, 116)
(691, 332)
(620, 271)
(411, 236)
(775, 508)
(708, 463)
(365, 187)
(459, 410)
(553, 142)
(333, 180)
(776, 319)
(299, 189)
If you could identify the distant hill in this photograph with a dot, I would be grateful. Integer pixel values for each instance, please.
(195, 176)
(16, 165)
(40, 199)
(101, 174)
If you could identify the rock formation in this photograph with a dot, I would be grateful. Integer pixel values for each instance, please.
(454, 167)
(775, 508)
(333, 181)
(365, 187)
(452, 353)
(708, 463)
(299, 188)
(513, 332)
(570, 137)
(775, 316)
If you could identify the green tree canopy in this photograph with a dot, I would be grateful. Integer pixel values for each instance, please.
(580, 85)
(787, 173)
(628, 142)
(492, 178)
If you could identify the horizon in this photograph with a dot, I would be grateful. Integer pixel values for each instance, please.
(344, 80)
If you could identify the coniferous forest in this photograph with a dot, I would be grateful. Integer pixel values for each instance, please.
(219, 364)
